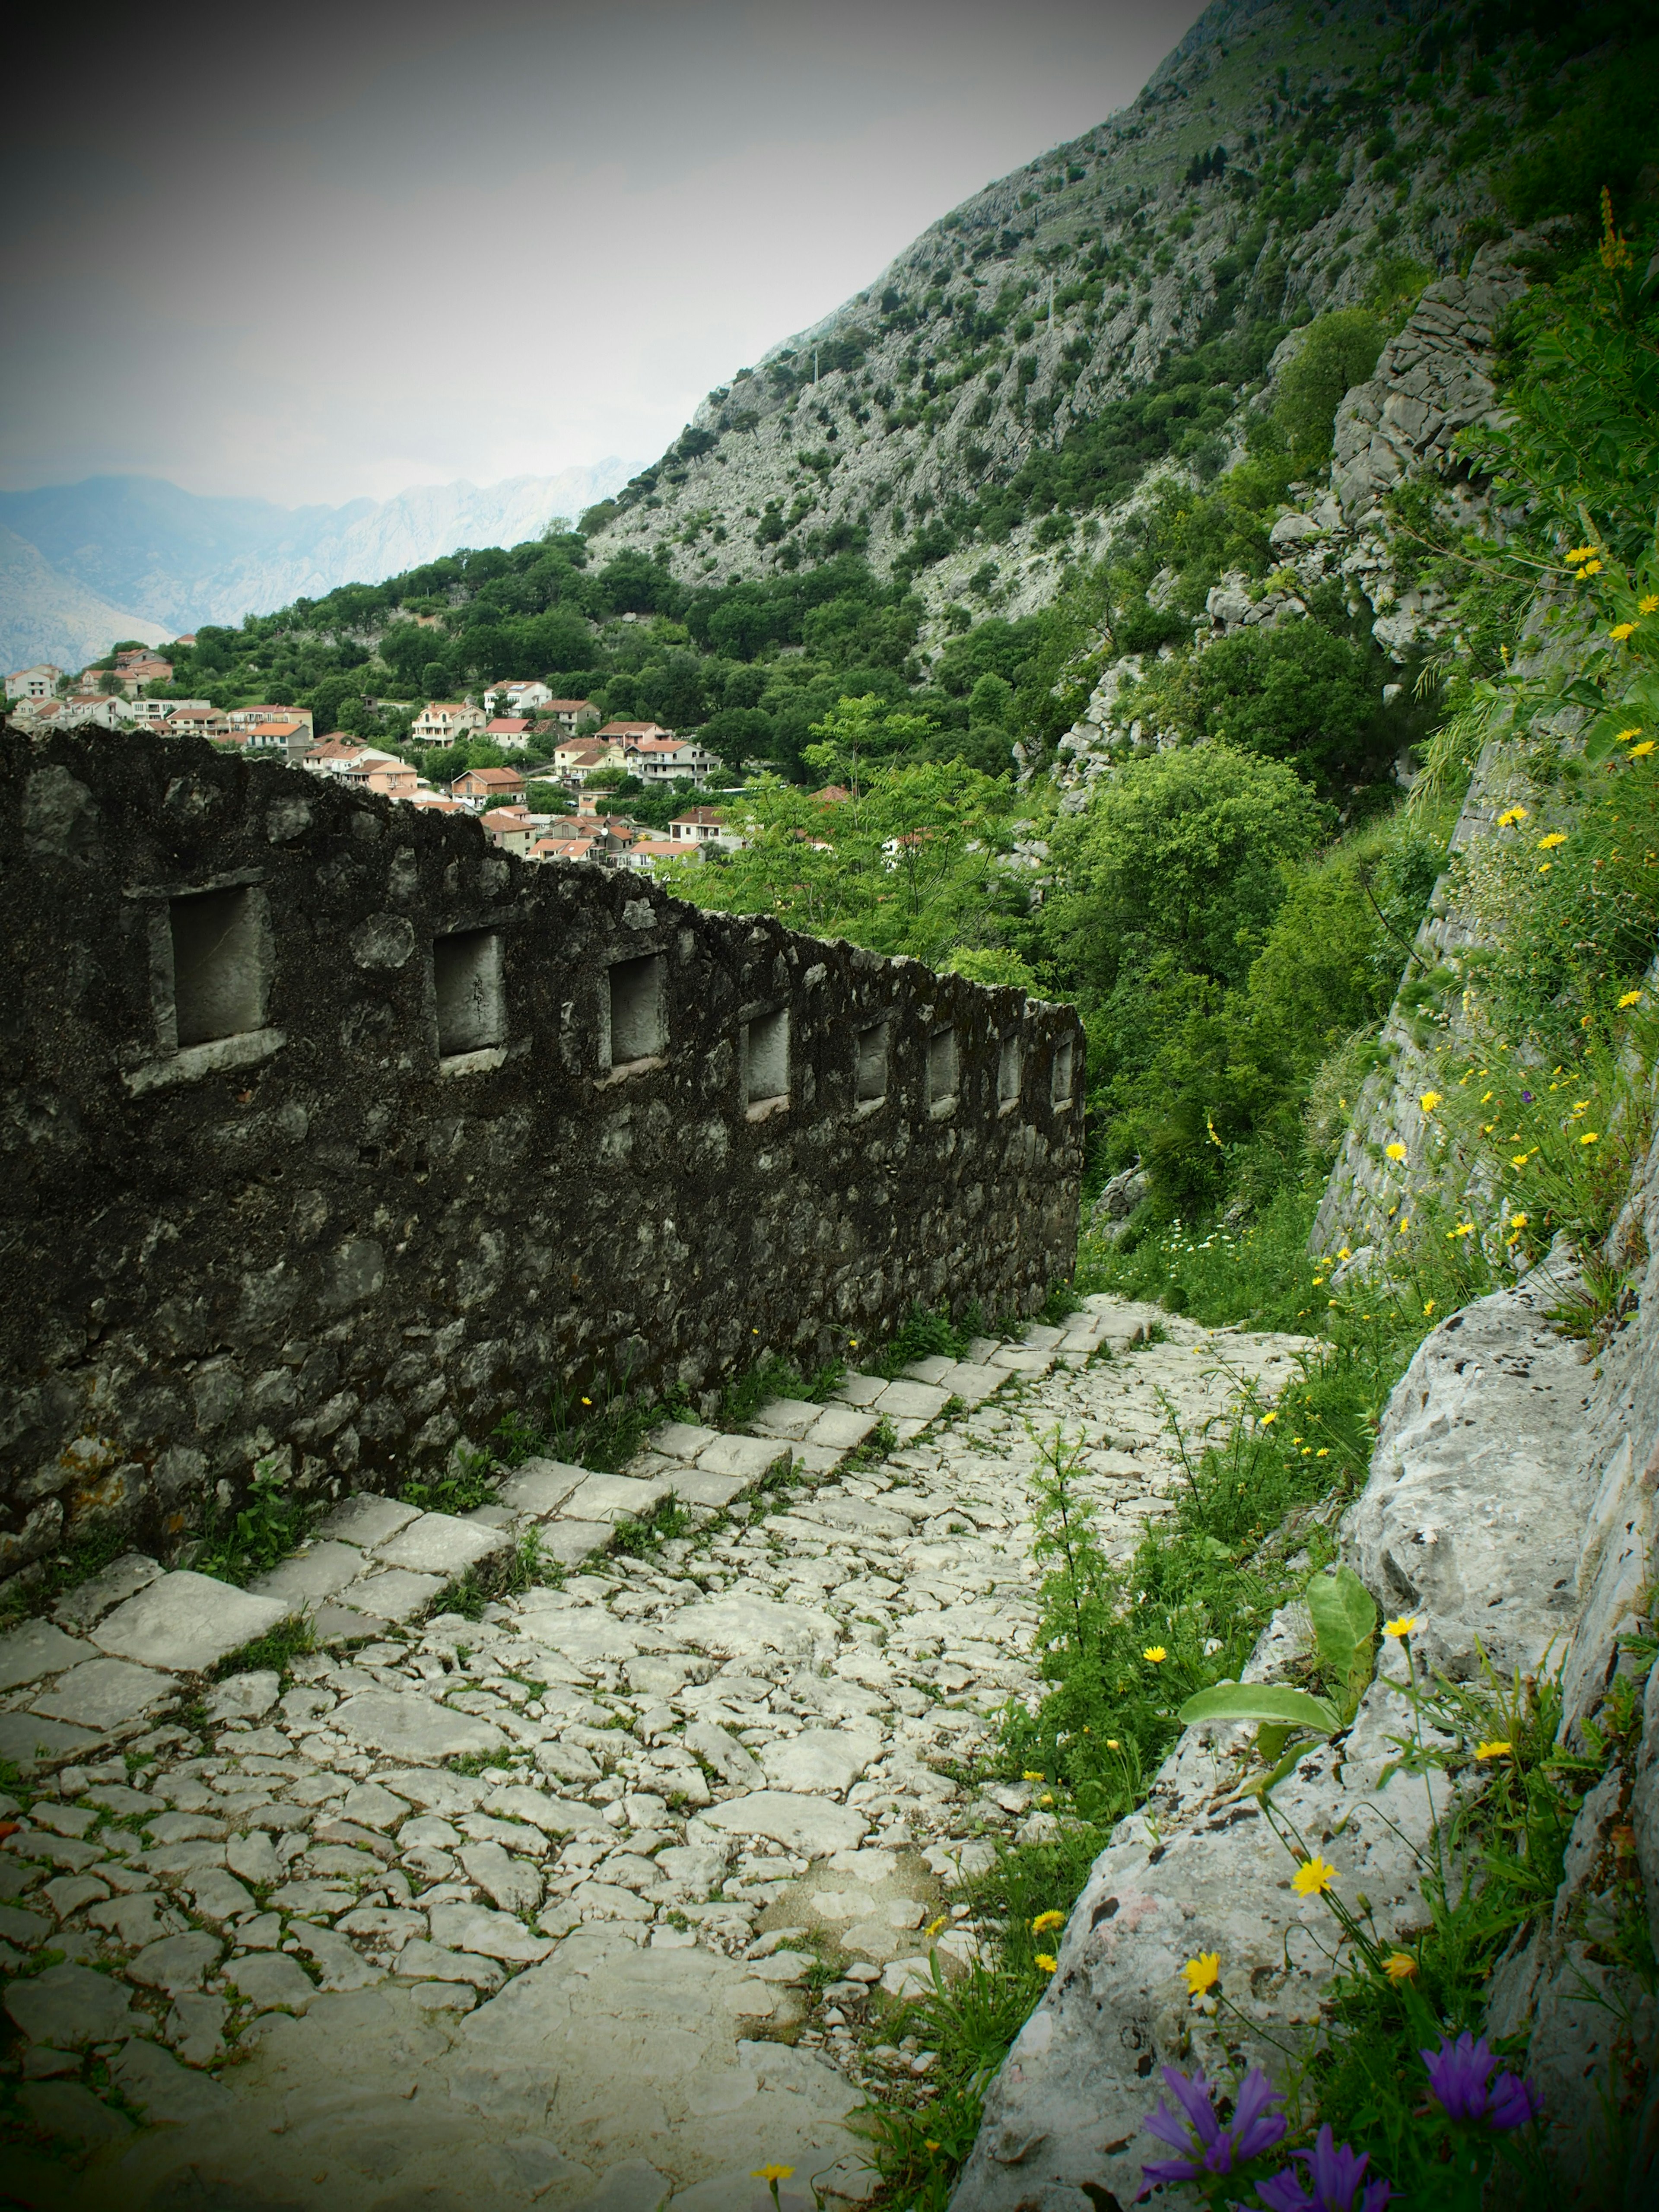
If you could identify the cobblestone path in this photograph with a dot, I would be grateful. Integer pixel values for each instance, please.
(592, 1902)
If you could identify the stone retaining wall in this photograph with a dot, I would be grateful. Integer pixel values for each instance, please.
(334, 1134)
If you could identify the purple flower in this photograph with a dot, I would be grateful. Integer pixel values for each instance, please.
(1526, 1097)
(1206, 2146)
(1330, 2181)
(1458, 2078)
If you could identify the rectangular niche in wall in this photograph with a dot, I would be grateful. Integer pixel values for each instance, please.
(1011, 1069)
(221, 964)
(1060, 1092)
(941, 1068)
(766, 1058)
(870, 1069)
(636, 1025)
(466, 977)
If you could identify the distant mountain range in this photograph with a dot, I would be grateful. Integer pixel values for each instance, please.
(81, 565)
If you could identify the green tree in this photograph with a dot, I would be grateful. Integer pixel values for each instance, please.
(1296, 692)
(1340, 352)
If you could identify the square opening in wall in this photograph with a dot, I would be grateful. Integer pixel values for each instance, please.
(870, 1069)
(466, 976)
(941, 1068)
(766, 1058)
(1010, 1069)
(219, 964)
(1060, 1092)
(636, 1025)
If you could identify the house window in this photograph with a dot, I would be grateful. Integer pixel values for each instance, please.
(466, 977)
(766, 1058)
(941, 1069)
(636, 1020)
(219, 964)
(1011, 1069)
(870, 1071)
(1061, 1088)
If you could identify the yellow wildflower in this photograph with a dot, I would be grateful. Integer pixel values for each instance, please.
(936, 1927)
(1047, 1798)
(771, 2173)
(1641, 752)
(1517, 1221)
(1494, 1750)
(1156, 1653)
(1589, 1137)
(1314, 1878)
(1511, 815)
(1112, 1743)
(1395, 1151)
(1045, 1921)
(1400, 1966)
(1429, 1101)
(1405, 1625)
(1624, 736)
(1428, 1305)
(1267, 1419)
(1591, 568)
(1580, 553)
(1631, 998)
(1649, 604)
(1202, 1972)
(1048, 1964)
(1556, 837)
(1622, 630)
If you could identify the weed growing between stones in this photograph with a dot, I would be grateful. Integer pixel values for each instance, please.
(470, 1479)
(642, 1539)
(275, 1651)
(261, 1534)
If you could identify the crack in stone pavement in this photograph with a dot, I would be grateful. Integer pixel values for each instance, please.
(307, 1960)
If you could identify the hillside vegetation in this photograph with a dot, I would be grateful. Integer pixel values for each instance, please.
(1085, 400)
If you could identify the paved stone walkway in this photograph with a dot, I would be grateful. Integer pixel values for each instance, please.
(591, 1902)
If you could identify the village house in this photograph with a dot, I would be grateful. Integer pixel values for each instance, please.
(108, 712)
(383, 772)
(445, 721)
(435, 802)
(565, 713)
(40, 682)
(630, 734)
(248, 718)
(152, 714)
(512, 829)
(646, 853)
(700, 826)
(198, 722)
(333, 754)
(524, 695)
(665, 758)
(284, 739)
(482, 787)
(510, 732)
(576, 761)
(565, 845)
(188, 642)
(133, 668)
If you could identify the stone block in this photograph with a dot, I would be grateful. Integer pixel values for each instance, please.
(123, 1578)
(244, 1697)
(394, 1596)
(681, 1440)
(841, 1428)
(808, 1825)
(367, 1521)
(35, 1650)
(406, 1726)
(569, 1542)
(697, 1485)
(176, 1963)
(972, 1383)
(187, 1623)
(104, 1693)
(309, 1575)
(26, 1740)
(612, 1497)
(856, 1389)
(540, 1487)
(911, 1401)
(441, 1544)
(1021, 1359)
(786, 1417)
(746, 1456)
(933, 1369)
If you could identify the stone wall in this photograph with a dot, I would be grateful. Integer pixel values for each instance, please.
(334, 1135)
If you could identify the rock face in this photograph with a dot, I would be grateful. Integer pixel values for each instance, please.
(1511, 1508)
(338, 1070)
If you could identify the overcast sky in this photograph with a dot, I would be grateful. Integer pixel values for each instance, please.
(311, 253)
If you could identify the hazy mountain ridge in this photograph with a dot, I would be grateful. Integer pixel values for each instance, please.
(179, 560)
(46, 616)
(943, 378)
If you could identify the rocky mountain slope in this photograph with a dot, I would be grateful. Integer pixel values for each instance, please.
(46, 615)
(957, 417)
(180, 560)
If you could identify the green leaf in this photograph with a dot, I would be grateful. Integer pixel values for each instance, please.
(1271, 1739)
(1273, 1703)
(1343, 1618)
